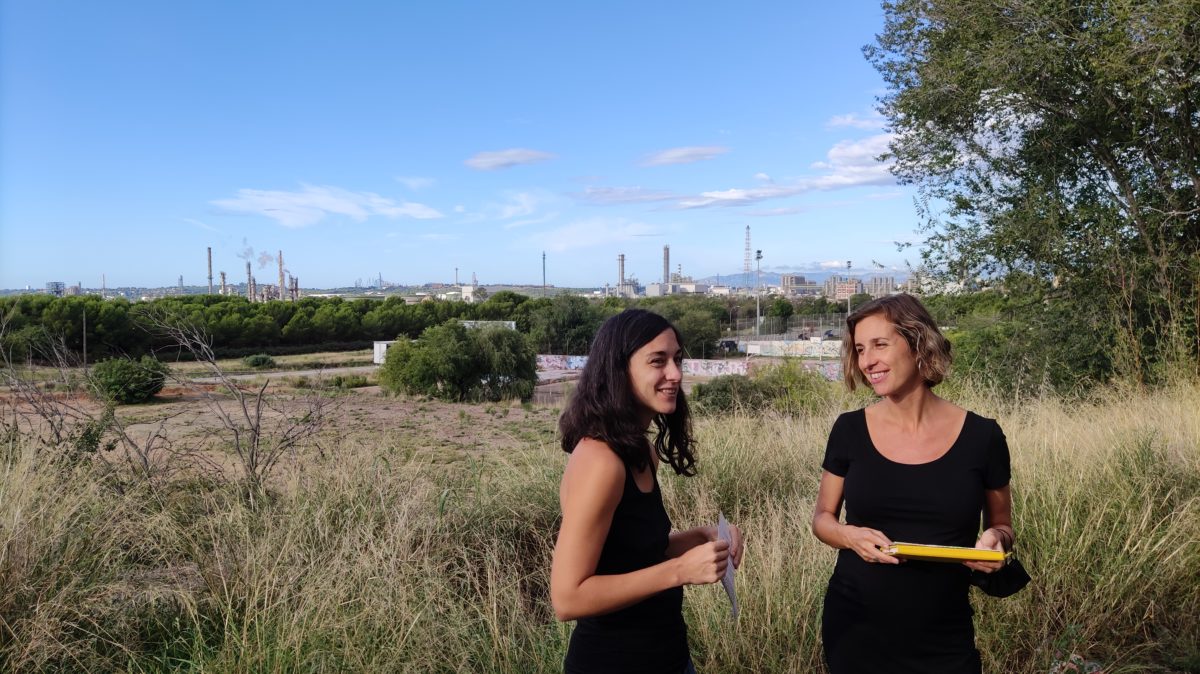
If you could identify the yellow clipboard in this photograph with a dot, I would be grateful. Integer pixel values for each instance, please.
(943, 553)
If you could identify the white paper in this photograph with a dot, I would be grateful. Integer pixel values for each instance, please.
(727, 580)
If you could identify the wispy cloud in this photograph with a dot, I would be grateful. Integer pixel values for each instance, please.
(591, 232)
(684, 155)
(415, 183)
(872, 121)
(313, 203)
(776, 212)
(849, 163)
(201, 225)
(502, 159)
(623, 195)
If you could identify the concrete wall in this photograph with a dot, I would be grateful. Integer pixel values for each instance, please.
(692, 366)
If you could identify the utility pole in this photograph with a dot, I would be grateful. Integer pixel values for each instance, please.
(543, 273)
(757, 290)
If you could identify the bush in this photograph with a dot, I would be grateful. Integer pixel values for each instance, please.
(258, 360)
(450, 362)
(786, 388)
(346, 381)
(126, 381)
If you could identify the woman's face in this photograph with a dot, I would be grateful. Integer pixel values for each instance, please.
(884, 357)
(655, 374)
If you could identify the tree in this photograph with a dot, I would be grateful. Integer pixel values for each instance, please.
(453, 363)
(1059, 139)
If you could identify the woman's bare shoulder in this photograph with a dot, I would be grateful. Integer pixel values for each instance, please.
(595, 456)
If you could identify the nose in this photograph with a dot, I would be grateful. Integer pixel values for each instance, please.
(674, 372)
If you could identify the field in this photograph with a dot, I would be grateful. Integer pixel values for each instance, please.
(415, 536)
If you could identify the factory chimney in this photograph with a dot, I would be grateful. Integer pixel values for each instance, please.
(282, 289)
(620, 271)
(223, 291)
(210, 270)
(666, 265)
(249, 283)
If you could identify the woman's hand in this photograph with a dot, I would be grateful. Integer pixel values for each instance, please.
(704, 563)
(866, 543)
(989, 540)
(736, 546)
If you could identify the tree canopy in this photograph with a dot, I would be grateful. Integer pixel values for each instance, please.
(1060, 139)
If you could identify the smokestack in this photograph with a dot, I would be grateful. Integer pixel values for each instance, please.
(223, 291)
(295, 288)
(210, 270)
(249, 283)
(281, 288)
(666, 265)
(620, 271)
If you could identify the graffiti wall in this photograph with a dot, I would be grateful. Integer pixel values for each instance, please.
(830, 348)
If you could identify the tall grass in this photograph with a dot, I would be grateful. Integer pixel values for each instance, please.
(386, 560)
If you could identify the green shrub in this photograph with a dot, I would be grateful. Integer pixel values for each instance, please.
(126, 381)
(258, 360)
(345, 381)
(786, 388)
(450, 362)
(730, 393)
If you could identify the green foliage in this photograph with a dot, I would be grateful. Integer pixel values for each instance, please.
(781, 307)
(347, 381)
(258, 360)
(786, 388)
(126, 381)
(565, 324)
(1058, 139)
(453, 363)
(1024, 340)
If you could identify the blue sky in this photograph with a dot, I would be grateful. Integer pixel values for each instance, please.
(411, 138)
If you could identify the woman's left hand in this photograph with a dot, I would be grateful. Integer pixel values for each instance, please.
(989, 540)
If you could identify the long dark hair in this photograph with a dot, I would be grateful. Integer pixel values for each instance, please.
(604, 407)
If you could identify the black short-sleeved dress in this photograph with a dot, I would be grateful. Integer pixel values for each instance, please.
(915, 616)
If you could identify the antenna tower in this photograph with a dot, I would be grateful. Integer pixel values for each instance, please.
(746, 263)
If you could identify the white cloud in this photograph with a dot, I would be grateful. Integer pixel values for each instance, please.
(873, 121)
(848, 164)
(775, 212)
(313, 203)
(502, 159)
(623, 195)
(589, 233)
(763, 177)
(832, 264)
(684, 155)
(416, 183)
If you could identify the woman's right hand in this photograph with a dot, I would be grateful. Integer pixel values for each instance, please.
(704, 563)
(866, 543)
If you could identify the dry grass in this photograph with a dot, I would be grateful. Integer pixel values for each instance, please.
(422, 545)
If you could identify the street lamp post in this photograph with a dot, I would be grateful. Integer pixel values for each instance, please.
(757, 291)
(848, 283)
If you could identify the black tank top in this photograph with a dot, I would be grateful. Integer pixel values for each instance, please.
(649, 636)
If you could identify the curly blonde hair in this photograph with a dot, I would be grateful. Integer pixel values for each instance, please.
(912, 320)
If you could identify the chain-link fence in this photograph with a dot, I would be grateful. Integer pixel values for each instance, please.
(828, 326)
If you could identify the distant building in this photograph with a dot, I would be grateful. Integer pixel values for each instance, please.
(879, 286)
(846, 289)
(795, 285)
(55, 288)
(719, 291)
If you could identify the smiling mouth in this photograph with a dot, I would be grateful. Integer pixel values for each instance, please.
(876, 376)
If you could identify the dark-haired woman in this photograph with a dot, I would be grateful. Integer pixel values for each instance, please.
(915, 468)
(618, 569)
